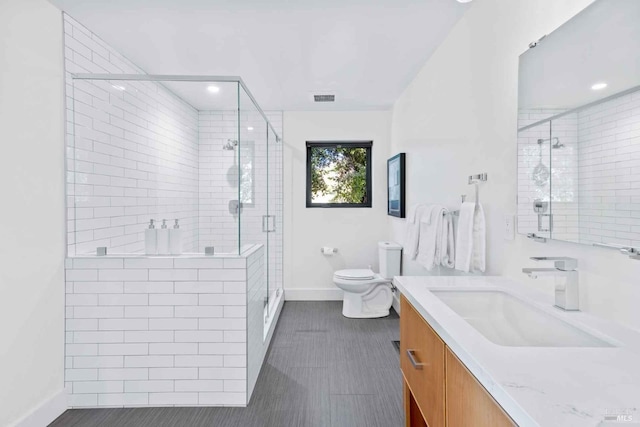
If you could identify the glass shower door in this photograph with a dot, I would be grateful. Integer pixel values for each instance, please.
(274, 217)
(254, 199)
(535, 184)
(260, 181)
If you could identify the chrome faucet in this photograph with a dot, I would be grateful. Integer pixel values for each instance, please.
(566, 277)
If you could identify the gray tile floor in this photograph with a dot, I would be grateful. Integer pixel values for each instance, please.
(322, 370)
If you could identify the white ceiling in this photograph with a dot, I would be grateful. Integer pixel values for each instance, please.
(601, 44)
(364, 51)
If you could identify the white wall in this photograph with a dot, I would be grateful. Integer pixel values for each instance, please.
(459, 117)
(32, 238)
(354, 231)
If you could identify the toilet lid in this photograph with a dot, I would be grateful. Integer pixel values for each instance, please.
(355, 274)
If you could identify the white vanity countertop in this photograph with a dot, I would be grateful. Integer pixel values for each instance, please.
(538, 386)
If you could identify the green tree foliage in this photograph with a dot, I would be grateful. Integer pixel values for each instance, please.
(340, 173)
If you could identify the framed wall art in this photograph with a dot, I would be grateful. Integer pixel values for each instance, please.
(396, 186)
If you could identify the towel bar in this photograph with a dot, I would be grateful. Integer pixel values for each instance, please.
(333, 250)
(476, 179)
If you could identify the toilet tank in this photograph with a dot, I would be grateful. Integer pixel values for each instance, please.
(390, 258)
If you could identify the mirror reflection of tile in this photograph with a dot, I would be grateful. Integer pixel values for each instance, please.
(579, 130)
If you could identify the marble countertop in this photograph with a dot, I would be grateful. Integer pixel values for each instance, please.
(539, 386)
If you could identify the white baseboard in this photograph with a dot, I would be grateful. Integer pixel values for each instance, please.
(396, 302)
(46, 412)
(313, 294)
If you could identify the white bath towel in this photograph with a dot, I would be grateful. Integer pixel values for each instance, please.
(412, 233)
(464, 239)
(478, 256)
(429, 241)
(447, 245)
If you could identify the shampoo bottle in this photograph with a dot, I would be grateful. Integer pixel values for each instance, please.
(163, 239)
(151, 239)
(175, 239)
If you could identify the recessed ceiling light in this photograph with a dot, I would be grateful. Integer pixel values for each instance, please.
(213, 89)
(118, 87)
(599, 86)
(464, 1)
(250, 128)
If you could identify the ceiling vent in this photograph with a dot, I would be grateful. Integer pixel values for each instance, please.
(324, 98)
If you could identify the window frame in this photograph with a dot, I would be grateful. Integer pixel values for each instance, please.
(368, 145)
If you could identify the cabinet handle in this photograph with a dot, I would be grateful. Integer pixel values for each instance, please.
(412, 359)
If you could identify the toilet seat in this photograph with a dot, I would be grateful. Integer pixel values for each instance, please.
(359, 285)
(355, 274)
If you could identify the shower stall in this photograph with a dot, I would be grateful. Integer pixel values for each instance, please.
(191, 327)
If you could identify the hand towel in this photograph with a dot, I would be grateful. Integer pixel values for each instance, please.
(464, 239)
(447, 246)
(412, 233)
(428, 243)
(478, 257)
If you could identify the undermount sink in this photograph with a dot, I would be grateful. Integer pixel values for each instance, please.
(508, 321)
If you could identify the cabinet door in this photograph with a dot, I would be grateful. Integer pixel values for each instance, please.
(412, 414)
(468, 403)
(422, 363)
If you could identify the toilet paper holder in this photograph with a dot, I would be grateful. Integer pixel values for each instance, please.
(333, 250)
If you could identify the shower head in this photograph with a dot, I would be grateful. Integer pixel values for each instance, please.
(555, 144)
(230, 145)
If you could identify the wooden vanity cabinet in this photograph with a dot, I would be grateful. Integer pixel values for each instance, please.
(422, 362)
(468, 403)
(439, 390)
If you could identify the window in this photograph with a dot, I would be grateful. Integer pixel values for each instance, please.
(339, 174)
(247, 172)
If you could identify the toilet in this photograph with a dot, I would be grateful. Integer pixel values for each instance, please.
(367, 294)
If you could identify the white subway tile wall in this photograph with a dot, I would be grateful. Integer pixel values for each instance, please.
(596, 184)
(255, 318)
(609, 163)
(132, 152)
(167, 342)
(136, 151)
(219, 181)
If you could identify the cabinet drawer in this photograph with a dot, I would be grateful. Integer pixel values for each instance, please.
(468, 403)
(422, 359)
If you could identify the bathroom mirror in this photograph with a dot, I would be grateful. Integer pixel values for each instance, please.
(579, 129)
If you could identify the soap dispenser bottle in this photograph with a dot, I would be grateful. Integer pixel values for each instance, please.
(175, 239)
(151, 239)
(163, 239)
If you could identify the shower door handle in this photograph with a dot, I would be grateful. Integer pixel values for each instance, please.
(235, 207)
(268, 223)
